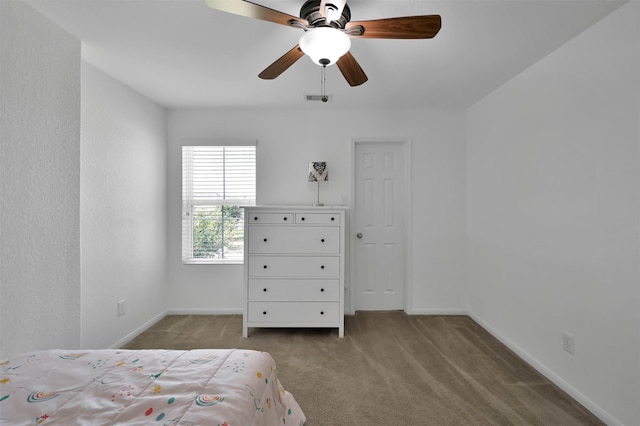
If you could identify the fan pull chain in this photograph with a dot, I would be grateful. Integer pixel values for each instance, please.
(323, 81)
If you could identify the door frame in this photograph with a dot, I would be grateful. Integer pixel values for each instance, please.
(406, 145)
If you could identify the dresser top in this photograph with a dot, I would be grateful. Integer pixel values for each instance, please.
(294, 206)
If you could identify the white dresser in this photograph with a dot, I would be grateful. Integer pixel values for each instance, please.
(294, 261)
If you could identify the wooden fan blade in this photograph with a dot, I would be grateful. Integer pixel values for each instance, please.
(253, 10)
(282, 64)
(351, 70)
(407, 27)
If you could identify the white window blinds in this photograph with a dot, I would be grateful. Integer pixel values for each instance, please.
(216, 180)
(221, 175)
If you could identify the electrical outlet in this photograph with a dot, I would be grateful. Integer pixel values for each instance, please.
(121, 307)
(567, 342)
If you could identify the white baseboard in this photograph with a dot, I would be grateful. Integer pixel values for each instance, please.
(553, 377)
(449, 311)
(126, 339)
(203, 311)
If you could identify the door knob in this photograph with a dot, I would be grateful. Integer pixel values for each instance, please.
(359, 235)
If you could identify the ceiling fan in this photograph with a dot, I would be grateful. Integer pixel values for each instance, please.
(328, 29)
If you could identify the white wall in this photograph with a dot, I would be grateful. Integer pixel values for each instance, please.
(39, 183)
(287, 141)
(123, 210)
(553, 217)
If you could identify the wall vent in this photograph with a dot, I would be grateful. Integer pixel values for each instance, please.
(317, 98)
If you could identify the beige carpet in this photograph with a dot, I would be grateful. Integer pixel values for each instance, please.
(390, 369)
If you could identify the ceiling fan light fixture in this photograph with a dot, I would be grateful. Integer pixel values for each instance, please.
(325, 45)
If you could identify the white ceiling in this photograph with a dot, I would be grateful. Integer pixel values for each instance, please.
(180, 53)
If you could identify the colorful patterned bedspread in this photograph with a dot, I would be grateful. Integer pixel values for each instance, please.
(165, 387)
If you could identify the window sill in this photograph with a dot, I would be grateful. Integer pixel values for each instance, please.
(209, 262)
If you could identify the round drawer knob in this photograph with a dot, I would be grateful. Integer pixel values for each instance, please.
(264, 312)
(322, 240)
(265, 266)
(322, 290)
(265, 240)
(321, 266)
(284, 218)
(255, 218)
(333, 218)
(302, 218)
(264, 289)
(321, 312)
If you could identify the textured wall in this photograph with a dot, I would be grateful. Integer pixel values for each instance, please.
(287, 140)
(39, 182)
(553, 214)
(123, 209)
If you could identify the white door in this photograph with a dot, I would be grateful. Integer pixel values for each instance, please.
(379, 230)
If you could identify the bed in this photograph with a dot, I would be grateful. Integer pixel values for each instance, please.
(166, 387)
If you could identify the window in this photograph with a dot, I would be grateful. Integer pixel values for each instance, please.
(216, 181)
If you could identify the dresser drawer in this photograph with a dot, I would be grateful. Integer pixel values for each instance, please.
(270, 218)
(294, 239)
(318, 218)
(293, 289)
(294, 266)
(294, 312)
